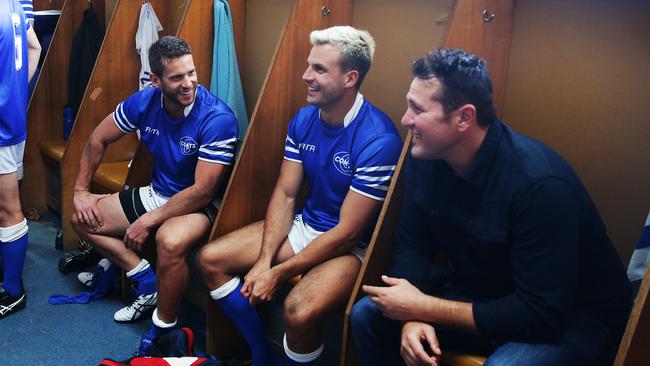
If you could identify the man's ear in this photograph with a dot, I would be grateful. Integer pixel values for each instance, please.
(155, 80)
(351, 78)
(466, 116)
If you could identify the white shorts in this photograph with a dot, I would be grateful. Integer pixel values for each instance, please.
(302, 234)
(11, 159)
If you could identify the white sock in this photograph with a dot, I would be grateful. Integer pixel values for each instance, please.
(225, 289)
(301, 357)
(139, 268)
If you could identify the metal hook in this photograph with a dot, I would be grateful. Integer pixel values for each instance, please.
(487, 17)
(325, 11)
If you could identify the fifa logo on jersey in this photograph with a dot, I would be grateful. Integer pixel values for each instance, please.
(306, 147)
(342, 162)
(151, 130)
(188, 145)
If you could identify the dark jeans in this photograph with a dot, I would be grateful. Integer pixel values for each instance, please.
(585, 342)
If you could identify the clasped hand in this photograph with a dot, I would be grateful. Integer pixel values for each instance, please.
(260, 284)
(399, 301)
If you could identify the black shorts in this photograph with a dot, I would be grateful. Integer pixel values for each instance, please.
(133, 207)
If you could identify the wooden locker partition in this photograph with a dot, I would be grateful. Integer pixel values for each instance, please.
(114, 78)
(491, 41)
(261, 154)
(45, 113)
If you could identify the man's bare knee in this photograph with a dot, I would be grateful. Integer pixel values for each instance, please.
(212, 260)
(170, 247)
(298, 315)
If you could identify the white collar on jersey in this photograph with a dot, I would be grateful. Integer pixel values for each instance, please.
(187, 109)
(352, 113)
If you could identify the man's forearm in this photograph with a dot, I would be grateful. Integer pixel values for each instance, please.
(277, 224)
(90, 159)
(328, 245)
(455, 314)
(191, 199)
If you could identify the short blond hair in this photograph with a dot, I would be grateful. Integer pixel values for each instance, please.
(357, 47)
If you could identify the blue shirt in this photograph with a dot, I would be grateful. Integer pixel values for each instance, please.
(28, 9)
(520, 233)
(207, 131)
(360, 157)
(14, 73)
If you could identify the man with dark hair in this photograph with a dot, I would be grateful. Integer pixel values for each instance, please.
(346, 149)
(532, 278)
(191, 135)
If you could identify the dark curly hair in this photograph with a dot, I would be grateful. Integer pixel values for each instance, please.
(165, 49)
(464, 78)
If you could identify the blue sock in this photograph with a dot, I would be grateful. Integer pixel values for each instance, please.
(13, 261)
(145, 282)
(245, 318)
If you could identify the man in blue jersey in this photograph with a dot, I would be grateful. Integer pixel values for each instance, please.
(532, 278)
(346, 149)
(192, 136)
(19, 53)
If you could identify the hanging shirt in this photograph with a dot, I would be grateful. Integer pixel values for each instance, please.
(13, 73)
(225, 82)
(360, 155)
(147, 34)
(207, 131)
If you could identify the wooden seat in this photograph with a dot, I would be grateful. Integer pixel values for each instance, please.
(53, 149)
(110, 177)
(462, 359)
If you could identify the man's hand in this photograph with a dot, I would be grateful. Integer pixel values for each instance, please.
(252, 276)
(136, 234)
(263, 286)
(86, 210)
(399, 301)
(419, 344)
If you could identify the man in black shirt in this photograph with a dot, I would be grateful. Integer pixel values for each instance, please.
(532, 277)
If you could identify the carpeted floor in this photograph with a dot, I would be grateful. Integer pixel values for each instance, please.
(81, 335)
(71, 334)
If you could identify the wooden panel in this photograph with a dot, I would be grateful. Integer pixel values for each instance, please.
(45, 114)
(257, 168)
(634, 345)
(114, 78)
(198, 31)
(489, 40)
(378, 255)
(48, 4)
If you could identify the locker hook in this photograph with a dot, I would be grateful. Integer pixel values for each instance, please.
(487, 17)
(325, 11)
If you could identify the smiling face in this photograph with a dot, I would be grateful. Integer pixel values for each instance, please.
(434, 134)
(177, 84)
(326, 80)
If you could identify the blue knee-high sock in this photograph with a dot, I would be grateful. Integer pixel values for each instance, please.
(301, 359)
(243, 314)
(13, 261)
(145, 282)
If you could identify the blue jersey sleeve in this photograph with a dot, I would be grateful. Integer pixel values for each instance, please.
(291, 148)
(28, 9)
(128, 113)
(219, 139)
(375, 166)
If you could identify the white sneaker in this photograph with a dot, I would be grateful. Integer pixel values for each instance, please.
(134, 312)
(86, 278)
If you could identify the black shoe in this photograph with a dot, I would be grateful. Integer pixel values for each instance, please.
(77, 260)
(10, 304)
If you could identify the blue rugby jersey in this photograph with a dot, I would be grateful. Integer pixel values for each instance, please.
(14, 68)
(207, 131)
(360, 156)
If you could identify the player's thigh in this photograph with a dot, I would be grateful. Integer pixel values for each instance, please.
(9, 196)
(235, 252)
(113, 217)
(180, 233)
(324, 287)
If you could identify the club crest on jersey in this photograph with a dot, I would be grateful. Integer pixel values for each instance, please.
(342, 162)
(188, 145)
